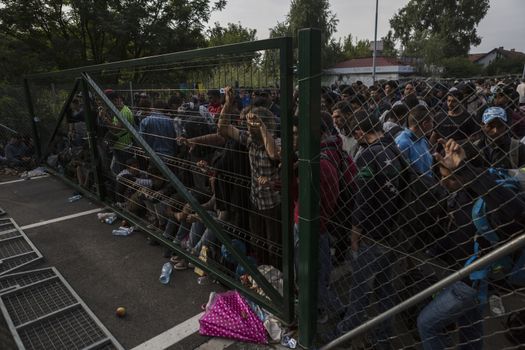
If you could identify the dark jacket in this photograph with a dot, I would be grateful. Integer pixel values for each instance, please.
(378, 185)
(484, 154)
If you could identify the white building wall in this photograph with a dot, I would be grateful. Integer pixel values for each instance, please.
(364, 74)
(488, 59)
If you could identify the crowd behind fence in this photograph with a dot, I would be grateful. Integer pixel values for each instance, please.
(417, 180)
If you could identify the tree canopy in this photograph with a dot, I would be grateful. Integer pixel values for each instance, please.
(231, 34)
(435, 30)
(67, 33)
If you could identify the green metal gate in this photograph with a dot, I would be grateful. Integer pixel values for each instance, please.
(264, 65)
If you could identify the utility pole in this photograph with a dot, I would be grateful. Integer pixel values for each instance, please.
(375, 49)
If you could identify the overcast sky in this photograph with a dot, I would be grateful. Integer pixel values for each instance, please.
(504, 24)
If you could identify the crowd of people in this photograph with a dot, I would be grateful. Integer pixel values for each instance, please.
(18, 152)
(407, 170)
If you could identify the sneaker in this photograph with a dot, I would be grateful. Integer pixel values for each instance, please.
(181, 265)
(191, 266)
(176, 258)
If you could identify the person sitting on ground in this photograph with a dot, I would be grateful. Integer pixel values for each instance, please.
(17, 153)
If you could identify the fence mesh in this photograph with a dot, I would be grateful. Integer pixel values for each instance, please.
(417, 180)
(178, 109)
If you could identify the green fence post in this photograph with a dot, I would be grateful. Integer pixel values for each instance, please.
(36, 136)
(286, 92)
(92, 141)
(309, 148)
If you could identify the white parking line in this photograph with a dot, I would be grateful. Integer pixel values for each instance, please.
(62, 218)
(172, 336)
(216, 344)
(20, 180)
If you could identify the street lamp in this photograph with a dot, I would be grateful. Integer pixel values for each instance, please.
(375, 49)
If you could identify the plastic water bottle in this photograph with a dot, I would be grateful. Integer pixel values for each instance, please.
(123, 231)
(74, 198)
(110, 219)
(289, 342)
(165, 274)
(496, 305)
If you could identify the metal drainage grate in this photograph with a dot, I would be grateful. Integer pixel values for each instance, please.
(6, 225)
(21, 279)
(44, 312)
(16, 250)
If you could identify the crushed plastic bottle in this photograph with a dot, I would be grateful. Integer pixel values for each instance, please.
(496, 305)
(110, 219)
(103, 216)
(123, 231)
(204, 280)
(74, 198)
(289, 342)
(165, 273)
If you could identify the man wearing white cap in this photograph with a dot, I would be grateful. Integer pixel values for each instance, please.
(496, 147)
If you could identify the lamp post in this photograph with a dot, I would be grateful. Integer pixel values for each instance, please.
(375, 49)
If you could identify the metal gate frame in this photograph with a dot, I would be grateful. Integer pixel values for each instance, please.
(281, 305)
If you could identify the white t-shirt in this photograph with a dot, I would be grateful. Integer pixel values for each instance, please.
(521, 90)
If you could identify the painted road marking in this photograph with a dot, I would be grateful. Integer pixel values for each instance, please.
(21, 180)
(173, 335)
(216, 344)
(62, 218)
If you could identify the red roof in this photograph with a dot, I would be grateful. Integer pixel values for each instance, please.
(473, 57)
(367, 62)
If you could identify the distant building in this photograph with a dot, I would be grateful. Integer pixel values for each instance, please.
(485, 59)
(361, 69)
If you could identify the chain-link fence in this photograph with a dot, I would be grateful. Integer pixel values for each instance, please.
(412, 183)
(418, 181)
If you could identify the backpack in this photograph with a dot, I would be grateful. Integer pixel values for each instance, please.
(340, 223)
(484, 229)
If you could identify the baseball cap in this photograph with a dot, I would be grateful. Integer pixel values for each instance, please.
(492, 113)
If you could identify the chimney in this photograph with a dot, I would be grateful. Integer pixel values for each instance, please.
(513, 50)
(500, 48)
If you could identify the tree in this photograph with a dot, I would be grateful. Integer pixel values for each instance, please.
(231, 34)
(460, 67)
(451, 24)
(504, 65)
(69, 33)
(310, 14)
(389, 45)
(359, 49)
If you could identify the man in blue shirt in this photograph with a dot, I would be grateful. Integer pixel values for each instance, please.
(413, 141)
(160, 131)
